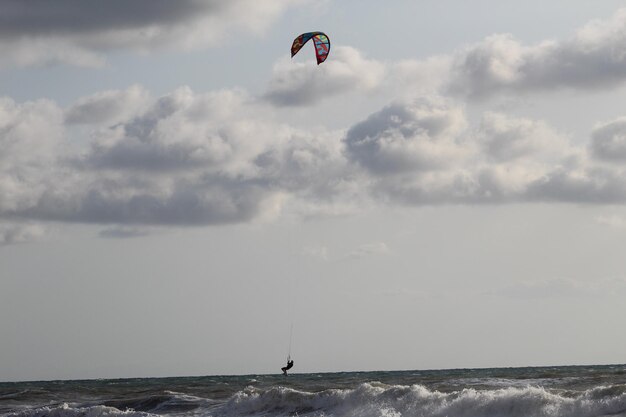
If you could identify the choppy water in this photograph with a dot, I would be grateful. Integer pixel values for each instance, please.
(550, 391)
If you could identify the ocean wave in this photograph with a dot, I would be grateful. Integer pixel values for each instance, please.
(164, 403)
(14, 395)
(168, 402)
(65, 410)
(368, 400)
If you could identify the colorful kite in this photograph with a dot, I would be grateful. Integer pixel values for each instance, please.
(320, 40)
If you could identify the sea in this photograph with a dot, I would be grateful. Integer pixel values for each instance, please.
(576, 391)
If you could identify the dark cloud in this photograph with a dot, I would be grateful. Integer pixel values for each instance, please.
(608, 141)
(493, 185)
(123, 232)
(186, 204)
(467, 186)
(591, 186)
(107, 106)
(42, 17)
(77, 32)
(134, 154)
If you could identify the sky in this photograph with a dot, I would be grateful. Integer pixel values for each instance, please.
(447, 190)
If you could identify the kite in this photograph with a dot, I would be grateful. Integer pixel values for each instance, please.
(320, 40)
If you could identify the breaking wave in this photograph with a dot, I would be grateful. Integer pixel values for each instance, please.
(379, 400)
(167, 403)
(371, 399)
(65, 410)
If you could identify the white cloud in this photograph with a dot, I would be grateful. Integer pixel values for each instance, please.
(306, 83)
(108, 106)
(369, 249)
(421, 135)
(613, 221)
(410, 78)
(20, 233)
(224, 157)
(316, 252)
(562, 287)
(30, 138)
(365, 250)
(421, 153)
(507, 138)
(183, 159)
(594, 58)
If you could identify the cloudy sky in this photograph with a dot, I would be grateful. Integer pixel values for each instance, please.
(447, 190)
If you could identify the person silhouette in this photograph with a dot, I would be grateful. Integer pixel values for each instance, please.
(286, 368)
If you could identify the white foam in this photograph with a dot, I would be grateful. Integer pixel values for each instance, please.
(65, 410)
(368, 400)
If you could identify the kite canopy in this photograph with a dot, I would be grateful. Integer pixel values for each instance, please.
(320, 40)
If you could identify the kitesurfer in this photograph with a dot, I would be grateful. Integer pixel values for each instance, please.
(286, 368)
